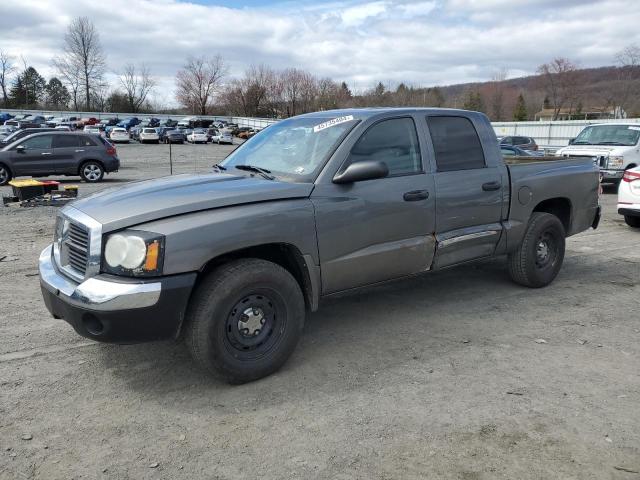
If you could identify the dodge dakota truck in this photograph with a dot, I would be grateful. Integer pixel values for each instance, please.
(231, 261)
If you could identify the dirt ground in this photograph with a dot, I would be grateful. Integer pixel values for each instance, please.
(440, 377)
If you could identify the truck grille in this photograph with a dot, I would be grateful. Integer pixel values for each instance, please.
(77, 244)
(75, 247)
(600, 160)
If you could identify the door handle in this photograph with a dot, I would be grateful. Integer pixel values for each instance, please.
(45, 153)
(416, 195)
(78, 151)
(489, 186)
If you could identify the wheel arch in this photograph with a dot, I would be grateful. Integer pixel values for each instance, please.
(84, 161)
(288, 256)
(560, 207)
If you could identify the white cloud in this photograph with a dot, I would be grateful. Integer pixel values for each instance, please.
(418, 42)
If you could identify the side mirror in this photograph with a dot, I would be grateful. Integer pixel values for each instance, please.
(359, 171)
(571, 140)
(20, 149)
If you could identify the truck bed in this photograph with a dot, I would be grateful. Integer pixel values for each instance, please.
(573, 181)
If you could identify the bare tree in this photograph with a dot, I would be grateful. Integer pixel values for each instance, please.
(71, 76)
(299, 90)
(496, 94)
(560, 79)
(83, 56)
(199, 81)
(7, 68)
(137, 85)
(627, 86)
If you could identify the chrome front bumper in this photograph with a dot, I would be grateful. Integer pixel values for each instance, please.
(96, 293)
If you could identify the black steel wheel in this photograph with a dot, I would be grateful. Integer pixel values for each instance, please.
(538, 260)
(245, 319)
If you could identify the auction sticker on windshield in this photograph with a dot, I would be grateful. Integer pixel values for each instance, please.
(331, 123)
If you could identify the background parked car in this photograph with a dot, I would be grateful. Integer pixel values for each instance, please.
(94, 129)
(198, 135)
(525, 143)
(4, 117)
(220, 136)
(119, 134)
(134, 132)
(6, 130)
(61, 153)
(513, 151)
(65, 128)
(127, 123)
(173, 136)
(629, 197)
(148, 135)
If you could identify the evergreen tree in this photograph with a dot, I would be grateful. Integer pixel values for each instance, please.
(28, 89)
(473, 101)
(436, 95)
(520, 111)
(58, 96)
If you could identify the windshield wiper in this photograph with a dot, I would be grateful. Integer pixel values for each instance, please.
(581, 143)
(252, 168)
(217, 166)
(610, 143)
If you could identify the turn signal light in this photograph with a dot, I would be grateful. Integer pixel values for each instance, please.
(153, 253)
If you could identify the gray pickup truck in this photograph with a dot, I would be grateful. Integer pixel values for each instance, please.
(309, 207)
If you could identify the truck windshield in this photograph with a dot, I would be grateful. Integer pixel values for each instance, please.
(609, 135)
(295, 148)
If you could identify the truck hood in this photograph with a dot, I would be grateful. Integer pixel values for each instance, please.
(148, 200)
(592, 150)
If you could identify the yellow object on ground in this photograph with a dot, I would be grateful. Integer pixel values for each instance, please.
(70, 187)
(25, 183)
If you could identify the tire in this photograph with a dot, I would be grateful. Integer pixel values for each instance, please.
(92, 171)
(633, 222)
(240, 296)
(539, 258)
(5, 174)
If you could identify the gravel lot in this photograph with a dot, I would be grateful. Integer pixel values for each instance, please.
(437, 377)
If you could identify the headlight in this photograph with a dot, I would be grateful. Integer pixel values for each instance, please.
(133, 253)
(616, 162)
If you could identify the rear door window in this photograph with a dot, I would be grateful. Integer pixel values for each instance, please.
(86, 141)
(65, 141)
(456, 143)
(394, 142)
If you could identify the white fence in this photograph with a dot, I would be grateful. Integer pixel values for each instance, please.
(550, 134)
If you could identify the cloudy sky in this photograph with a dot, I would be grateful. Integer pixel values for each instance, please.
(422, 42)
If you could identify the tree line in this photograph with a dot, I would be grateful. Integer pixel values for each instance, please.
(203, 86)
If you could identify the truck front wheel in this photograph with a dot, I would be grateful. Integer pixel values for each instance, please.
(539, 258)
(245, 319)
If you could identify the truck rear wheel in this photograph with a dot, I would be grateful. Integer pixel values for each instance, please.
(245, 319)
(539, 258)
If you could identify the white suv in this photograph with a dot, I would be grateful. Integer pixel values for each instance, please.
(629, 197)
(613, 146)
